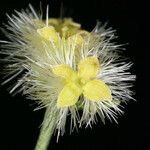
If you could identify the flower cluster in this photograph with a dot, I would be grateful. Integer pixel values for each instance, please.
(66, 69)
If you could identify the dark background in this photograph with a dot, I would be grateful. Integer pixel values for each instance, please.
(20, 125)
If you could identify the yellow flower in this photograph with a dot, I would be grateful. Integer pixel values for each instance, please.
(83, 81)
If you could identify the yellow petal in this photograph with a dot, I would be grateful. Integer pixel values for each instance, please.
(64, 71)
(69, 22)
(54, 22)
(69, 95)
(97, 90)
(88, 68)
(77, 39)
(48, 33)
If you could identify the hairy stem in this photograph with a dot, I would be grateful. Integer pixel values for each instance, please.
(46, 131)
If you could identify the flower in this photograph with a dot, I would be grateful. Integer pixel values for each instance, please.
(65, 69)
(82, 81)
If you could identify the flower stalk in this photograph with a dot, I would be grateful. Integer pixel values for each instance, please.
(46, 132)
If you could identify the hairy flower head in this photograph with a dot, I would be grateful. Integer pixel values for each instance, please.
(66, 69)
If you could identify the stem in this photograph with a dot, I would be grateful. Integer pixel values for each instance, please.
(46, 131)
